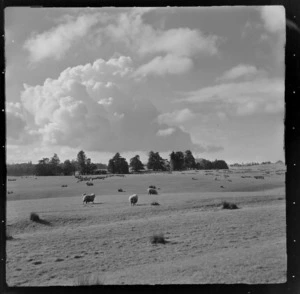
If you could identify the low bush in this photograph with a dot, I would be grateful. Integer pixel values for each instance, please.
(229, 205)
(158, 239)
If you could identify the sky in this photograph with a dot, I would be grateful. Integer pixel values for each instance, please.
(132, 80)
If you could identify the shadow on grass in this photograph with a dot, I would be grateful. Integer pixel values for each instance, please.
(43, 222)
(95, 203)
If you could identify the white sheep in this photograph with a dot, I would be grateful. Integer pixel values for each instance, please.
(88, 198)
(133, 199)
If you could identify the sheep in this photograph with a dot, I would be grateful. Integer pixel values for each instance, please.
(133, 199)
(88, 198)
(152, 191)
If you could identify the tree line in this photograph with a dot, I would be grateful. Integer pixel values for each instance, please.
(117, 164)
(54, 167)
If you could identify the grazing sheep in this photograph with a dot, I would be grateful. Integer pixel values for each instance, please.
(151, 191)
(133, 199)
(88, 198)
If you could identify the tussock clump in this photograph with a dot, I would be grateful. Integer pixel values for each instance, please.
(229, 205)
(34, 217)
(158, 239)
(154, 203)
(88, 281)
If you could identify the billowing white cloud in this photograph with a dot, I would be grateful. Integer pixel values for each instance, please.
(166, 132)
(170, 64)
(179, 45)
(274, 18)
(57, 41)
(89, 107)
(176, 117)
(241, 70)
(242, 98)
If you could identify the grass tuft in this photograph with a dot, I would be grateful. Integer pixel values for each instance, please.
(229, 205)
(158, 239)
(155, 203)
(34, 217)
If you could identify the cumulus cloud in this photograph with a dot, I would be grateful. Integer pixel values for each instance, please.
(242, 98)
(179, 45)
(166, 132)
(170, 64)
(273, 18)
(89, 107)
(176, 117)
(57, 41)
(239, 71)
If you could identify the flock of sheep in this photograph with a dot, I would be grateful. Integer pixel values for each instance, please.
(133, 199)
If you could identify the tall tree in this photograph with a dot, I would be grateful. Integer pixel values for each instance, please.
(43, 167)
(81, 159)
(177, 160)
(90, 167)
(155, 162)
(136, 164)
(118, 165)
(68, 168)
(54, 164)
(189, 160)
(219, 164)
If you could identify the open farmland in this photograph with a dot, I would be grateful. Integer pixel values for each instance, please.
(109, 241)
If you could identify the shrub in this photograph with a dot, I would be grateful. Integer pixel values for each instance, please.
(158, 239)
(155, 203)
(34, 217)
(229, 205)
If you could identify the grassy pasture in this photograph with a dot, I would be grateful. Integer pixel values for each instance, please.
(109, 242)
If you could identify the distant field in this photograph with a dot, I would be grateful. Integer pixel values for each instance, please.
(109, 240)
(177, 182)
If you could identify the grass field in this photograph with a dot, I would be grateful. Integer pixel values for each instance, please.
(109, 242)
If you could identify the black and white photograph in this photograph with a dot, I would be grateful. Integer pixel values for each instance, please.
(145, 145)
